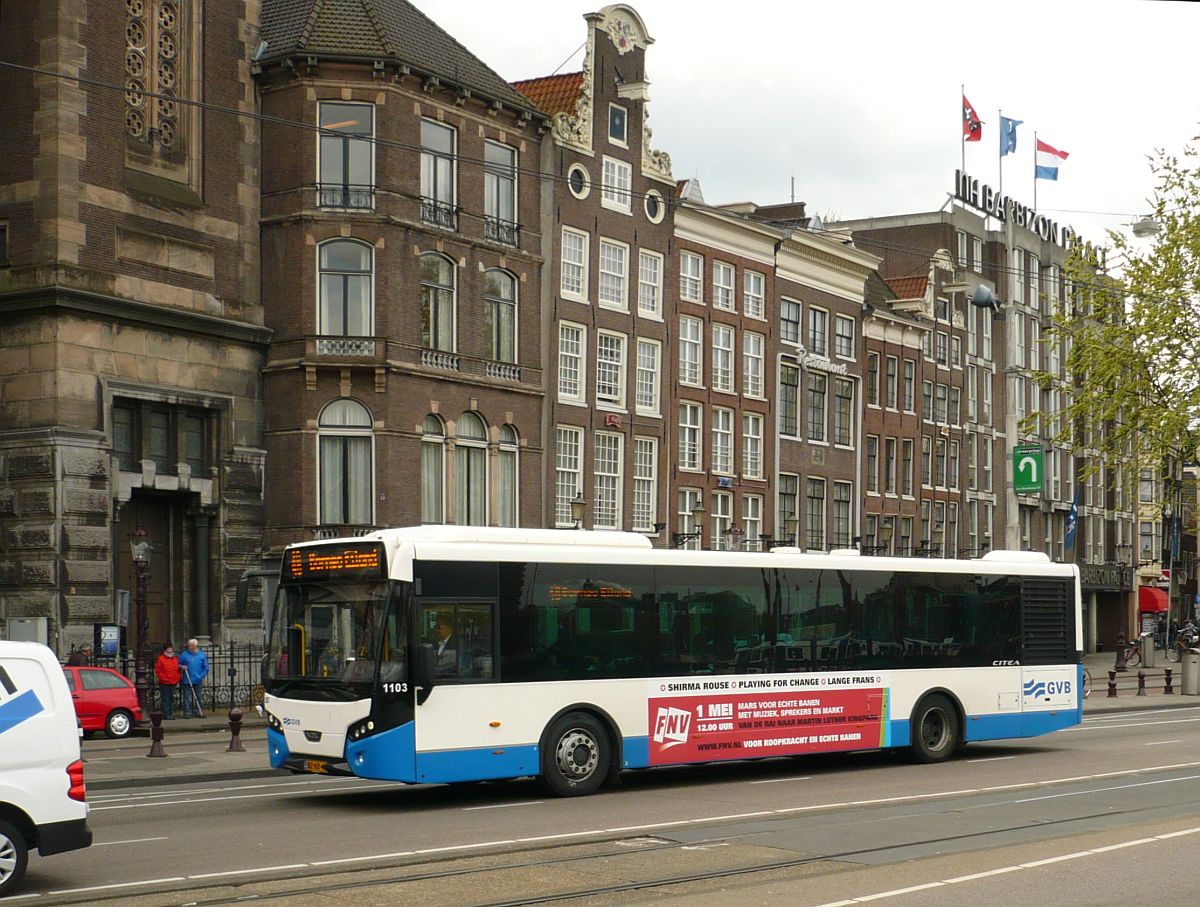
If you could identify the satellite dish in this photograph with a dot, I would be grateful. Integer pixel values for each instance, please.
(984, 298)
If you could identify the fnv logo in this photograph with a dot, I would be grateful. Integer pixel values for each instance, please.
(1035, 688)
(671, 726)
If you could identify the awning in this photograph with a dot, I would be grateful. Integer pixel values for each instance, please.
(1151, 599)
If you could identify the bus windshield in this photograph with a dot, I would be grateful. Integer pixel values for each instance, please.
(325, 639)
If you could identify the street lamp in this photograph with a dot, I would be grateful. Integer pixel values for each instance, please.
(679, 539)
(140, 547)
(578, 506)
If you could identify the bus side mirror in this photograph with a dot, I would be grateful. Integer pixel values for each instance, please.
(426, 671)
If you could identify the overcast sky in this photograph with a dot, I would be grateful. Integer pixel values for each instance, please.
(859, 99)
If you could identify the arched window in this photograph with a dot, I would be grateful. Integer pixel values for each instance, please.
(470, 471)
(346, 289)
(500, 313)
(433, 470)
(508, 477)
(344, 464)
(437, 303)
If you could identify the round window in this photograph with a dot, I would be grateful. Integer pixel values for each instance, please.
(578, 181)
(655, 208)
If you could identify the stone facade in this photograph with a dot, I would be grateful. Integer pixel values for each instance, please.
(130, 288)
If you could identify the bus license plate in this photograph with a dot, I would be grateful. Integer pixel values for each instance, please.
(317, 766)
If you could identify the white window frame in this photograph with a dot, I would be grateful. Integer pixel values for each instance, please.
(645, 483)
(816, 334)
(620, 142)
(752, 517)
(607, 480)
(754, 348)
(691, 436)
(576, 356)
(752, 445)
(616, 185)
(722, 286)
(650, 282)
(753, 294)
(572, 270)
(721, 456)
(691, 351)
(568, 472)
(612, 290)
(648, 394)
(691, 277)
(720, 520)
(723, 338)
(606, 343)
(788, 306)
(843, 342)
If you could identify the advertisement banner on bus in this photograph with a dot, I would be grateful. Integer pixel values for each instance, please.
(742, 718)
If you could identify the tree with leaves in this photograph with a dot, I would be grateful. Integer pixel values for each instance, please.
(1131, 378)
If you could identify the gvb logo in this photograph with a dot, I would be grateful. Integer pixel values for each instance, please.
(1036, 689)
(671, 727)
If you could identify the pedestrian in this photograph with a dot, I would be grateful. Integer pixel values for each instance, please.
(166, 669)
(193, 663)
(81, 657)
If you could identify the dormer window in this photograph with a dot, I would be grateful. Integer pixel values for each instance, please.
(618, 125)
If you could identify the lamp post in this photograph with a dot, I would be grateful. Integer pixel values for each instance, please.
(679, 539)
(578, 506)
(139, 545)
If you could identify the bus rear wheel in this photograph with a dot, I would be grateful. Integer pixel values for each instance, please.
(935, 730)
(577, 755)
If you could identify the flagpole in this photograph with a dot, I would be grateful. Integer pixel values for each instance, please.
(1000, 151)
(962, 141)
(1035, 207)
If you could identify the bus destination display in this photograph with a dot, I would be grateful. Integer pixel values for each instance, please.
(353, 561)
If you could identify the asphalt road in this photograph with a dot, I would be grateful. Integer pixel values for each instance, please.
(1117, 798)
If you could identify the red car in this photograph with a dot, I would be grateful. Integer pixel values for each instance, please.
(105, 700)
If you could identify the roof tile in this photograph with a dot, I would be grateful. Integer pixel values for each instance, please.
(553, 94)
(909, 287)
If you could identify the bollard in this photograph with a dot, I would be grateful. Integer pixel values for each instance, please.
(156, 737)
(1120, 665)
(1167, 682)
(235, 729)
(1112, 684)
(1141, 683)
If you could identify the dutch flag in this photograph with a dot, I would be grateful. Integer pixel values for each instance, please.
(1048, 159)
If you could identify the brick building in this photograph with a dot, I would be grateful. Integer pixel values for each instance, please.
(131, 332)
(402, 255)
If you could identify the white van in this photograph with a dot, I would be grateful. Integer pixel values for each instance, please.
(42, 799)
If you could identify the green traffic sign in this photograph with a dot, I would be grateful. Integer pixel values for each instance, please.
(1028, 473)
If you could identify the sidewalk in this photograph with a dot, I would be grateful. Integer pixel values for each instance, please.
(1100, 664)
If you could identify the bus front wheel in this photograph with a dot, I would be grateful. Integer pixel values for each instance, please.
(935, 731)
(577, 755)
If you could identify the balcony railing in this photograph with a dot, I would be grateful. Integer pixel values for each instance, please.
(345, 346)
(438, 359)
(502, 370)
(340, 195)
(439, 214)
(501, 231)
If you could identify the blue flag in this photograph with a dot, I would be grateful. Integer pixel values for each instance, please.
(1072, 522)
(1008, 135)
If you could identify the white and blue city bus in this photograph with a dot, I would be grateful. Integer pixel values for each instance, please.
(447, 654)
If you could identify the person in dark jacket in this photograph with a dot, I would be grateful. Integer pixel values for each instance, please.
(166, 669)
(81, 657)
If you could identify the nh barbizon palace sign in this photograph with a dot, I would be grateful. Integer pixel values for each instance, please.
(1007, 209)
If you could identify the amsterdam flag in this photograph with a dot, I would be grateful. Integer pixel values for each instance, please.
(972, 125)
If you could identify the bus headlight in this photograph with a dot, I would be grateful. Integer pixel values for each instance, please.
(360, 729)
(272, 722)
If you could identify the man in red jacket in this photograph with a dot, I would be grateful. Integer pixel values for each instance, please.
(166, 669)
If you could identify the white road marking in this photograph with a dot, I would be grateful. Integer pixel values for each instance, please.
(778, 780)
(1034, 864)
(468, 809)
(1161, 742)
(130, 841)
(488, 845)
(990, 759)
(1102, 790)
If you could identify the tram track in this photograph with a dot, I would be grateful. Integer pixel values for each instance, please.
(567, 872)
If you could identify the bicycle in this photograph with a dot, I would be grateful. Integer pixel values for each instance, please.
(1131, 654)
(1175, 650)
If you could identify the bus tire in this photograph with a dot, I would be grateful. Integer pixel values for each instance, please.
(935, 731)
(14, 858)
(577, 755)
